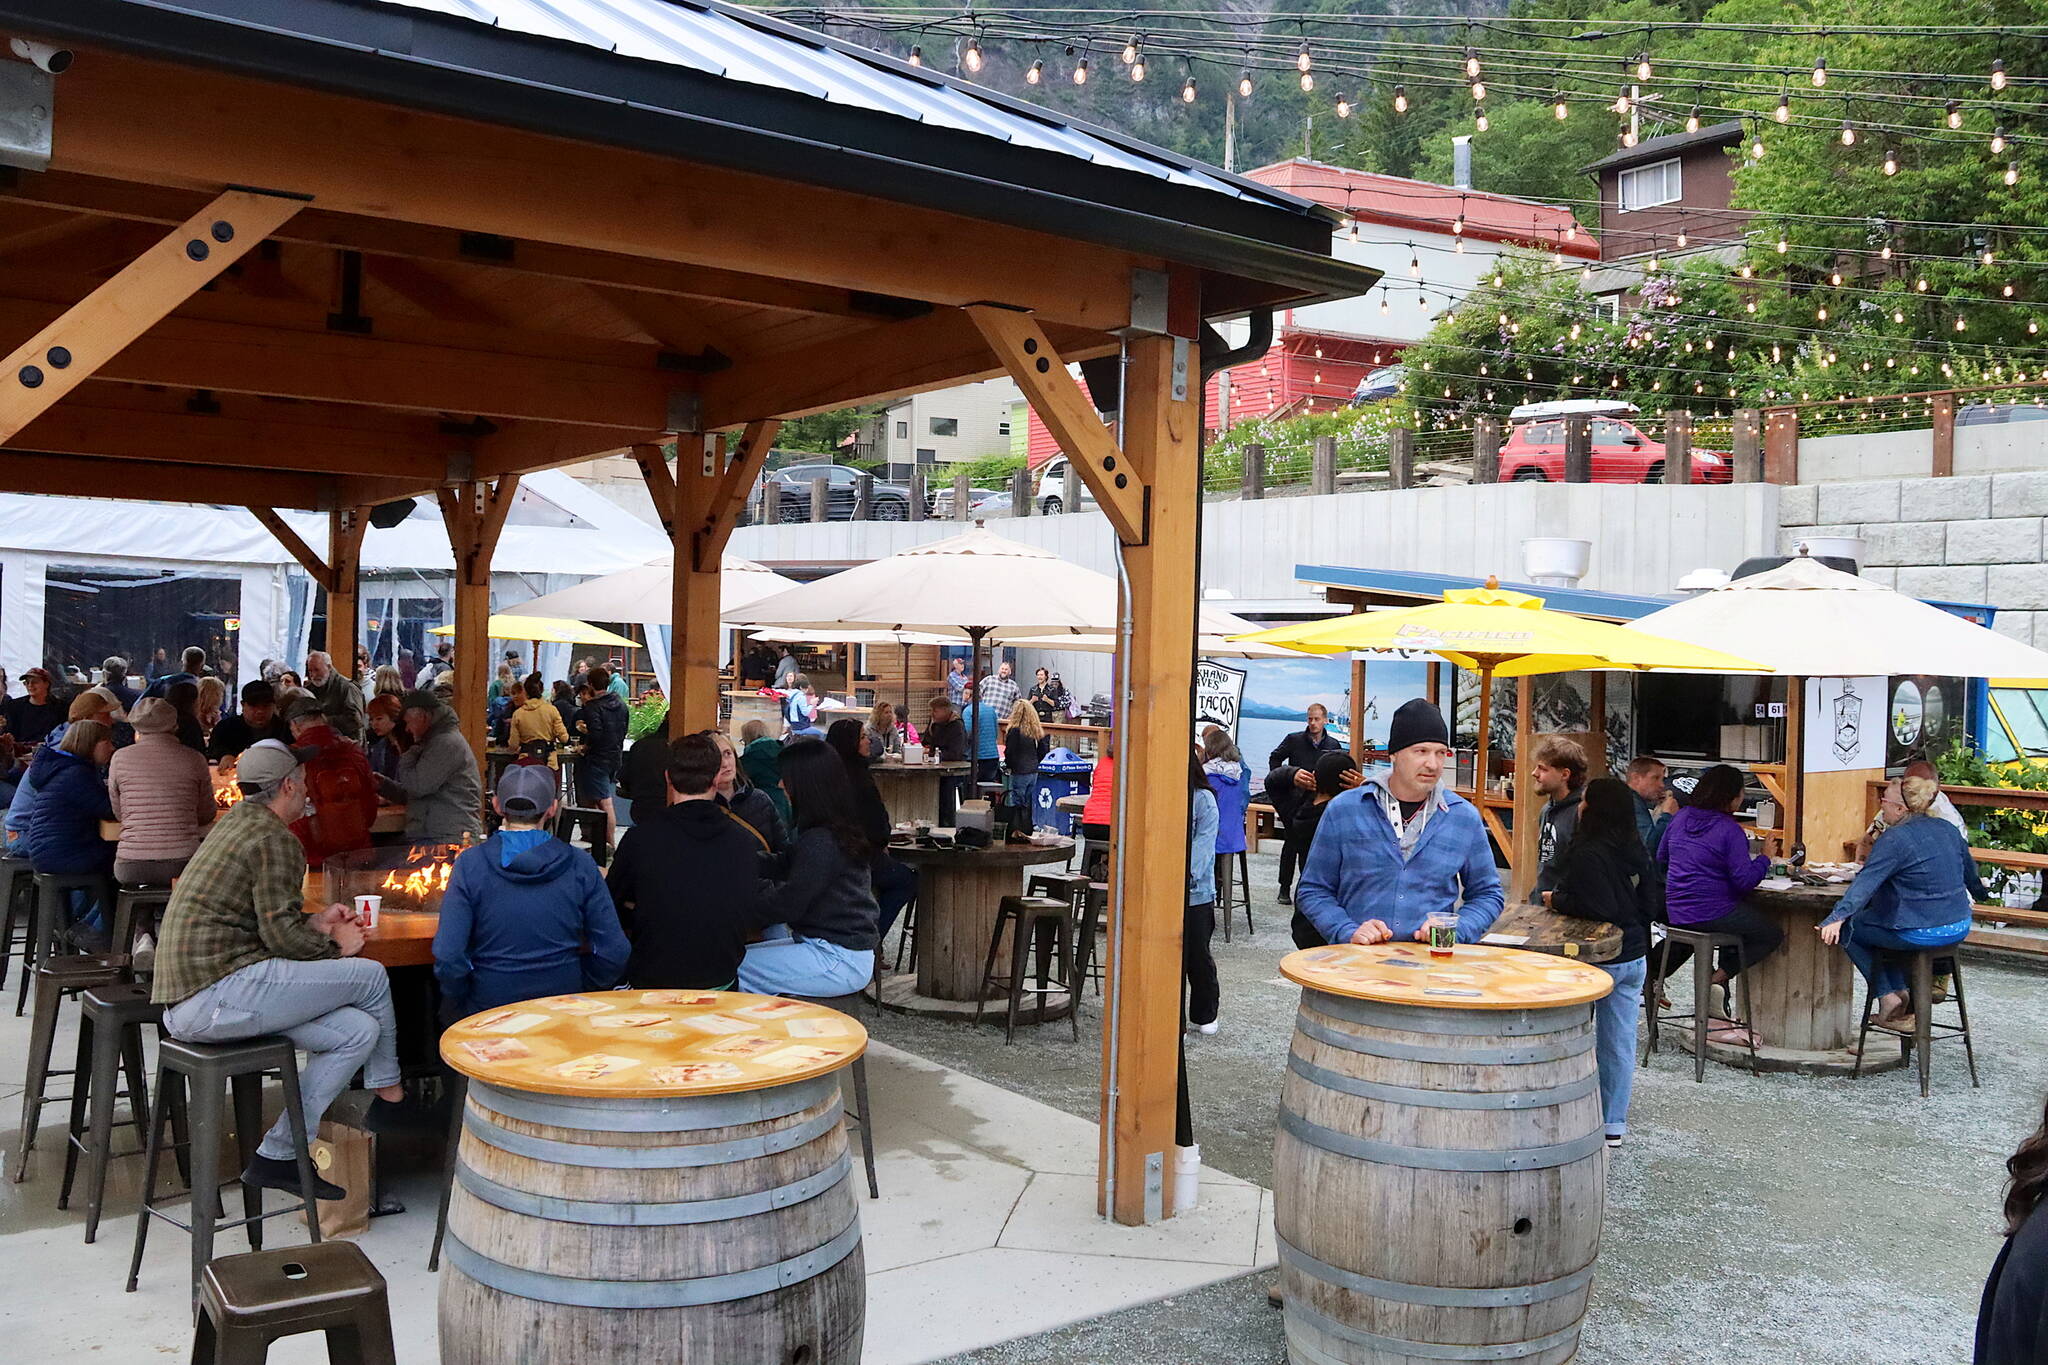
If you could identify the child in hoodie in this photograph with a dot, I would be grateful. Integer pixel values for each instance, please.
(519, 909)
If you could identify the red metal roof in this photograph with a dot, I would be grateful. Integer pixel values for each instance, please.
(1398, 202)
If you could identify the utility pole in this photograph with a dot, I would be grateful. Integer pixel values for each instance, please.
(1229, 130)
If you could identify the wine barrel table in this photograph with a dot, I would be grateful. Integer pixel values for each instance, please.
(1438, 1172)
(653, 1175)
(959, 894)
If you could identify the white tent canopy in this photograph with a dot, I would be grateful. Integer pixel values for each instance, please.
(1803, 619)
(646, 592)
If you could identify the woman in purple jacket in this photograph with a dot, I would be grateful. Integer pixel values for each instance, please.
(1707, 872)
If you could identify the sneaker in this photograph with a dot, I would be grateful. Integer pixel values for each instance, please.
(143, 959)
(1286, 896)
(268, 1173)
(1209, 1027)
(384, 1116)
(87, 939)
(1941, 988)
(1614, 1141)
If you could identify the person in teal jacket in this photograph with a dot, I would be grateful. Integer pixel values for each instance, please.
(1399, 846)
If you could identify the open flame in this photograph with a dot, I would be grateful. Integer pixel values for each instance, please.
(419, 883)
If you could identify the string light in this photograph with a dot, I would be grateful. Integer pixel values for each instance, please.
(1414, 262)
(1308, 81)
(1383, 301)
(1848, 133)
(1783, 113)
(1458, 225)
(1998, 73)
(1642, 66)
(1081, 72)
(971, 58)
(1354, 236)
(1343, 107)
(1302, 60)
(1820, 72)
(1954, 114)
(1244, 83)
(1138, 68)
(1559, 108)
(1471, 63)
(2012, 172)
(1036, 73)
(1479, 120)
(1998, 139)
(1756, 147)
(1130, 53)
(1400, 99)
(1187, 91)
(1891, 161)
(1692, 120)
(916, 55)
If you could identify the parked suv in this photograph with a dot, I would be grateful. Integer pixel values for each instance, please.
(1052, 488)
(1534, 450)
(790, 486)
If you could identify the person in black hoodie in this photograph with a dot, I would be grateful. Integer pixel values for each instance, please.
(823, 919)
(687, 879)
(1333, 773)
(525, 915)
(1604, 873)
(894, 881)
(1558, 769)
(601, 720)
(1291, 783)
(2012, 1320)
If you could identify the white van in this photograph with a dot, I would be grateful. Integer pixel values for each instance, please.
(1052, 489)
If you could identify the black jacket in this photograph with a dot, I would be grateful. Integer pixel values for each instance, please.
(1615, 882)
(826, 895)
(236, 734)
(603, 722)
(1021, 753)
(643, 774)
(2012, 1321)
(949, 737)
(757, 808)
(1291, 755)
(1558, 820)
(687, 881)
(1300, 837)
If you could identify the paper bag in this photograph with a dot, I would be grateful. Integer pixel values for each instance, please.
(347, 1157)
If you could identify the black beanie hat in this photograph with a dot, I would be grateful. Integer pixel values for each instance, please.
(1417, 722)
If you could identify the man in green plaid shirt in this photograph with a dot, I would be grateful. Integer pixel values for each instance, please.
(239, 958)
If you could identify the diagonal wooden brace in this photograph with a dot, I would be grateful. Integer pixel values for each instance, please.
(96, 328)
(1068, 413)
(721, 512)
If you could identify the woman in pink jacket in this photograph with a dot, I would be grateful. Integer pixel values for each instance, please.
(162, 794)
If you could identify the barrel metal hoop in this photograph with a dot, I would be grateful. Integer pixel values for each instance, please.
(740, 1284)
(651, 1158)
(1432, 1295)
(1441, 1158)
(1516, 1023)
(679, 1115)
(1401, 1347)
(1476, 1056)
(1442, 1099)
(608, 1214)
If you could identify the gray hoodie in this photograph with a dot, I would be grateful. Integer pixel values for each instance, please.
(443, 794)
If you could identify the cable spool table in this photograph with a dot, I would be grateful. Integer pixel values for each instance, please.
(1438, 1173)
(653, 1175)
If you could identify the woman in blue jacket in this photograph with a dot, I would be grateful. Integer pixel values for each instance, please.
(1915, 892)
(63, 834)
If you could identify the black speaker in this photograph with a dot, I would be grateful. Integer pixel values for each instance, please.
(386, 515)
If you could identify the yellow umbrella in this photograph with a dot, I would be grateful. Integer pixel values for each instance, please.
(1501, 633)
(547, 630)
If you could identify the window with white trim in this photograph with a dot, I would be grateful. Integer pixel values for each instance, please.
(1642, 187)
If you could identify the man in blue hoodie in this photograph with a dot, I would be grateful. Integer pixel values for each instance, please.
(520, 908)
(1399, 846)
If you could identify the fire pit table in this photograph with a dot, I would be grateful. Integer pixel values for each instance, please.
(410, 878)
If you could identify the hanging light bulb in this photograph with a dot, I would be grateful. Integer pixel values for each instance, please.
(1479, 90)
(1081, 72)
(1898, 315)
(1130, 53)
(1998, 73)
(1820, 71)
(1835, 277)
(1988, 257)
(1747, 270)
(1621, 104)
(1783, 113)
(1414, 264)
(1472, 63)
(1784, 244)
(1308, 81)
(1480, 122)
(1400, 99)
(2033, 327)
(1920, 285)
(1302, 61)
(1642, 66)
(1138, 68)
(1585, 274)
(1383, 302)
(1683, 239)
(1458, 225)
(2006, 291)
(1653, 266)
(1692, 120)
(1961, 326)
(971, 58)
(1559, 108)
(1953, 114)
(1848, 133)
(1756, 147)
(1998, 139)
(1884, 253)
(1891, 161)
(1036, 74)
(916, 55)
(2012, 172)
(1820, 314)
(1421, 301)
(1497, 279)
(1354, 229)
(1187, 91)
(1244, 83)
(1343, 107)
(1628, 137)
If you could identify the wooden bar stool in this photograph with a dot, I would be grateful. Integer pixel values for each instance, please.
(1047, 926)
(1926, 1032)
(1705, 948)
(246, 1302)
(196, 1077)
(109, 1047)
(61, 978)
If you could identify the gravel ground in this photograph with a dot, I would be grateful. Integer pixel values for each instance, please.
(1774, 1220)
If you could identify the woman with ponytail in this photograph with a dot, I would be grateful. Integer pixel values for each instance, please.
(2012, 1321)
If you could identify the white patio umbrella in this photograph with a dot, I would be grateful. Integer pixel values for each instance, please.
(904, 638)
(1803, 619)
(1207, 646)
(646, 593)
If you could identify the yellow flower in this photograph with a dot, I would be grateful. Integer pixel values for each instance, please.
(2040, 829)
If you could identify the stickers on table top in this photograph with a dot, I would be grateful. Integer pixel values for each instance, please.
(773, 1009)
(801, 1055)
(817, 1028)
(696, 1073)
(716, 1023)
(679, 998)
(595, 1067)
(510, 1021)
(573, 1004)
(496, 1049)
(630, 1020)
(742, 1048)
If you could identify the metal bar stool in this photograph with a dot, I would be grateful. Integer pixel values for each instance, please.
(17, 915)
(129, 899)
(59, 979)
(249, 1301)
(52, 906)
(850, 1004)
(1224, 898)
(197, 1076)
(109, 1046)
(1071, 887)
(458, 1104)
(1047, 926)
(1926, 1032)
(1094, 921)
(1705, 948)
(589, 822)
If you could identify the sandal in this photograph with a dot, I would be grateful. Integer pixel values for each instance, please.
(1733, 1036)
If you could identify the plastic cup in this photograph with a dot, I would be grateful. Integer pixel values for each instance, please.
(367, 910)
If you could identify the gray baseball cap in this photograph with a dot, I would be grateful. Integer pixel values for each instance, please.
(527, 789)
(264, 764)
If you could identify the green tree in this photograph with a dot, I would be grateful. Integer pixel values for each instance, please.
(1525, 152)
(823, 433)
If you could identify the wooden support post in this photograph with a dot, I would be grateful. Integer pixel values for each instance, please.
(917, 494)
(1528, 801)
(1401, 458)
(1596, 762)
(1678, 446)
(864, 498)
(1482, 757)
(1322, 475)
(821, 498)
(1578, 449)
(1944, 414)
(1161, 444)
(1486, 450)
(336, 573)
(1020, 493)
(1254, 472)
(1357, 717)
(1794, 815)
(474, 513)
(1070, 489)
(92, 331)
(1432, 688)
(1780, 446)
(963, 493)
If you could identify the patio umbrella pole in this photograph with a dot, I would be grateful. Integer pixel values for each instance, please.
(906, 681)
(1485, 721)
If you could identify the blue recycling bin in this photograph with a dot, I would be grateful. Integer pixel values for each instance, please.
(1061, 773)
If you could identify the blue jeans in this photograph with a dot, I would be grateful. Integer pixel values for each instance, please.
(337, 1009)
(782, 964)
(1615, 1019)
(1870, 947)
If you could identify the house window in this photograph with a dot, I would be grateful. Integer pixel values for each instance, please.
(1642, 187)
(945, 426)
(903, 431)
(1002, 428)
(925, 456)
(1608, 306)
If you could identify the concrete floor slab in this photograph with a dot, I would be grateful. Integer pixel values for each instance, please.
(1057, 1214)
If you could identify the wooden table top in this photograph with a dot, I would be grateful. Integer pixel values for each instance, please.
(1476, 977)
(652, 1044)
(995, 855)
(1546, 931)
(1800, 896)
(1073, 805)
(893, 768)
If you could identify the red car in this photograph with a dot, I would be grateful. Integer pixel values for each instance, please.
(1534, 452)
